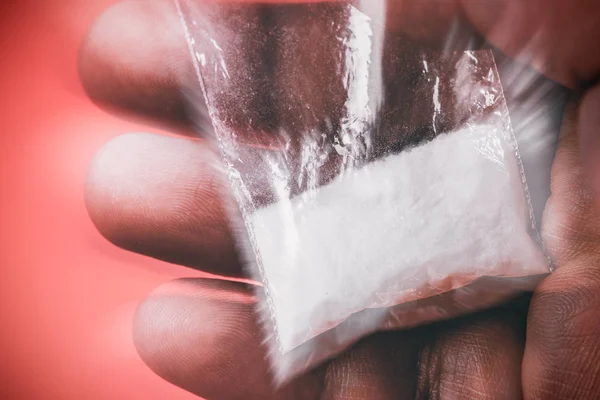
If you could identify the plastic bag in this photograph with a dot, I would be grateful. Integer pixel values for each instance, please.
(379, 182)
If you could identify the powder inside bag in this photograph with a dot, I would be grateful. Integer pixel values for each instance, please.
(376, 236)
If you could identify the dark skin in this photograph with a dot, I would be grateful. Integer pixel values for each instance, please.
(162, 196)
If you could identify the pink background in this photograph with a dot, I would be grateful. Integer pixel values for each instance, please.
(67, 296)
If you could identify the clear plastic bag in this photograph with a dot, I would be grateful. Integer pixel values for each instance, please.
(379, 181)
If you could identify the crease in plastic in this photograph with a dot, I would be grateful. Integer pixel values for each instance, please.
(355, 143)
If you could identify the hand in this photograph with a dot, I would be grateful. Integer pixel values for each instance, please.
(161, 196)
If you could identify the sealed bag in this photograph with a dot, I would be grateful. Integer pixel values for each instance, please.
(378, 182)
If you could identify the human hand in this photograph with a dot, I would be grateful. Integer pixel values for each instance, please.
(161, 196)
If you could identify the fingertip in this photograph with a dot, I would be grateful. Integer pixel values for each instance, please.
(151, 323)
(161, 196)
(123, 178)
(202, 335)
(133, 59)
(107, 176)
(199, 309)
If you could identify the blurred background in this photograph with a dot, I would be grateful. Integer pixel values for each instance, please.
(67, 296)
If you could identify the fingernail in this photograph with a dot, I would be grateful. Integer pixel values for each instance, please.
(589, 131)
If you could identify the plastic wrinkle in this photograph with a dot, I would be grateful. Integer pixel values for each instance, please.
(378, 184)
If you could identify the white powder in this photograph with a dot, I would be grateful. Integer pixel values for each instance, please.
(389, 232)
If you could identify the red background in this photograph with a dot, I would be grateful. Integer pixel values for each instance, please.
(67, 296)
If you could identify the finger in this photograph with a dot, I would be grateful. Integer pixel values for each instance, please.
(135, 57)
(478, 357)
(441, 24)
(558, 38)
(202, 336)
(561, 356)
(161, 196)
(232, 46)
(134, 60)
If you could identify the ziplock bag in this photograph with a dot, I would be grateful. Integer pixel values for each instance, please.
(378, 182)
